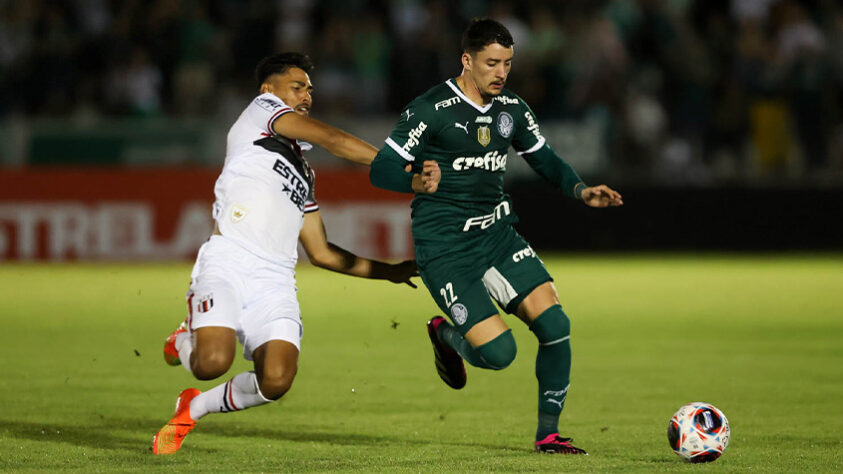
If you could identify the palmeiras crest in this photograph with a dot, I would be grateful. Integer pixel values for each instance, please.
(459, 312)
(505, 124)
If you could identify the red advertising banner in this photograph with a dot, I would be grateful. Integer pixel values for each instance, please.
(165, 213)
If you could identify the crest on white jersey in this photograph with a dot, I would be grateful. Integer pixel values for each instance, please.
(505, 124)
(205, 303)
(238, 212)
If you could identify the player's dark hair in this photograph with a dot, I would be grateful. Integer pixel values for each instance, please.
(483, 32)
(279, 63)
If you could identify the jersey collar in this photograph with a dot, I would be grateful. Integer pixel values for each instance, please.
(453, 85)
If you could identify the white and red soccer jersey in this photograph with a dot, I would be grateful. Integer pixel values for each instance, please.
(266, 186)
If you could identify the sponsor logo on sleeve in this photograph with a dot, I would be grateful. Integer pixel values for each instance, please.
(505, 124)
(524, 254)
(532, 126)
(268, 104)
(506, 100)
(413, 136)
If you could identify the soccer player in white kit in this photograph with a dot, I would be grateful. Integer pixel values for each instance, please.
(243, 284)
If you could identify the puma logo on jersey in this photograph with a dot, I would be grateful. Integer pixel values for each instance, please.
(409, 114)
(464, 127)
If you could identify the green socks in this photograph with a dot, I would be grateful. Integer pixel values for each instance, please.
(553, 362)
(553, 367)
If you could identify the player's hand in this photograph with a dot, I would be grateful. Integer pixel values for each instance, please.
(402, 272)
(428, 180)
(431, 175)
(601, 196)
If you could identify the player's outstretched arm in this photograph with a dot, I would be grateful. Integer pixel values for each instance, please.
(394, 173)
(326, 255)
(558, 172)
(601, 196)
(336, 141)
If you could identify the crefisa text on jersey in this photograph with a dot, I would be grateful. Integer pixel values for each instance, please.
(491, 161)
(532, 125)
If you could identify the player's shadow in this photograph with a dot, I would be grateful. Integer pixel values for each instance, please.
(98, 435)
(104, 433)
(344, 439)
(296, 435)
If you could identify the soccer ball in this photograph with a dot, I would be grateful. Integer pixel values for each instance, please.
(698, 432)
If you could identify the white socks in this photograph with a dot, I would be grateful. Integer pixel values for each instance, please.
(184, 346)
(239, 393)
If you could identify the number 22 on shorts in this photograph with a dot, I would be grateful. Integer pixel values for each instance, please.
(448, 294)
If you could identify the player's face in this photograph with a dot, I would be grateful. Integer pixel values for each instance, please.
(293, 87)
(490, 67)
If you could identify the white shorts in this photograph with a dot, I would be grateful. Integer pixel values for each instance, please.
(233, 288)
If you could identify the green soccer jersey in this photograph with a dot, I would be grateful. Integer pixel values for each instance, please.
(471, 145)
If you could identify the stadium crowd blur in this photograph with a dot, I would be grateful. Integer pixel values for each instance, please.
(687, 91)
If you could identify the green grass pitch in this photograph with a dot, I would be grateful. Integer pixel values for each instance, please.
(84, 386)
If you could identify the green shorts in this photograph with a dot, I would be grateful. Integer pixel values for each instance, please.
(464, 279)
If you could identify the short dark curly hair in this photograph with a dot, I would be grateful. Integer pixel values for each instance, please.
(279, 63)
(483, 32)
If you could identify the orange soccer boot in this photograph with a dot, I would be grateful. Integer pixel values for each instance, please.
(171, 355)
(169, 438)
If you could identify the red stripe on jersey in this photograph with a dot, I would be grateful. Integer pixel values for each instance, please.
(190, 311)
(276, 115)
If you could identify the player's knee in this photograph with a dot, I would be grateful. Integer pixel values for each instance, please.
(274, 384)
(552, 325)
(210, 365)
(500, 351)
(274, 388)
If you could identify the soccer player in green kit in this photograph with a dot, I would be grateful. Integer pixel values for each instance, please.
(466, 247)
